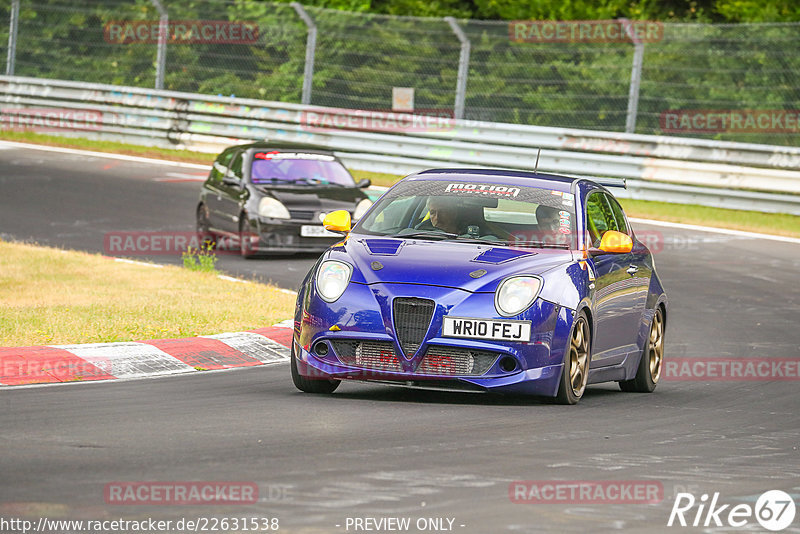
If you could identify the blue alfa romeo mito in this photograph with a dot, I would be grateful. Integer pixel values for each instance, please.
(483, 280)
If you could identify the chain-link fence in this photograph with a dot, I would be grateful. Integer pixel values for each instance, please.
(733, 82)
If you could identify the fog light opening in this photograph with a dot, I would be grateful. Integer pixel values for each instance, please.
(508, 364)
(321, 349)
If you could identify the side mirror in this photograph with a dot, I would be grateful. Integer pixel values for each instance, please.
(230, 180)
(364, 183)
(337, 221)
(613, 242)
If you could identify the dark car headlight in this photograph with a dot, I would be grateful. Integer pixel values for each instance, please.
(332, 279)
(515, 295)
(270, 207)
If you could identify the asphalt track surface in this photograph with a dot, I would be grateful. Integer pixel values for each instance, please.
(374, 451)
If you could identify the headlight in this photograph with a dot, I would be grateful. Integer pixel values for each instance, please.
(332, 279)
(516, 294)
(361, 208)
(269, 207)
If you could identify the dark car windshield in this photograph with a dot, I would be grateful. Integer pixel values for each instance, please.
(297, 168)
(475, 212)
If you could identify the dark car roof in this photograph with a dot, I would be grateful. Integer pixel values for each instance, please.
(556, 182)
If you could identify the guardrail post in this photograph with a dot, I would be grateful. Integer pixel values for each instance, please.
(636, 78)
(161, 55)
(311, 49)
(12, 38)
(463, 67)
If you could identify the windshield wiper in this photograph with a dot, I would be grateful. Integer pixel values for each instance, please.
(538, 244)
(484, 241)
(274, 180)
(321, 181)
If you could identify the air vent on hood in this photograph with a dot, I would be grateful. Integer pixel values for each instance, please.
(383, 246)
(500, 255)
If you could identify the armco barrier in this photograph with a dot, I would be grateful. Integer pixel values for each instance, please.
(723, 174)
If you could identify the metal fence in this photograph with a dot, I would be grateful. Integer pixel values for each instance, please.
(479, 70)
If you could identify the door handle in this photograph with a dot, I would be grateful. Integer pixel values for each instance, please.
(632, 270)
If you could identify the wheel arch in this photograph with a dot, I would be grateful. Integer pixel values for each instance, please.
(585, 306)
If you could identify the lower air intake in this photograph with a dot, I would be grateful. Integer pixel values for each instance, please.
(454, 361)
(375, 355)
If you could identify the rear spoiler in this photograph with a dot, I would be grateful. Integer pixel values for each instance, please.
(604, 181)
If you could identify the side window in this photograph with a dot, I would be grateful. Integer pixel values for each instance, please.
(599, 217)
(619, 215)
(236, 166)
(220, 166)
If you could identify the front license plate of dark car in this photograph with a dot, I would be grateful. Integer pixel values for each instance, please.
(494, 329)
(316, 231)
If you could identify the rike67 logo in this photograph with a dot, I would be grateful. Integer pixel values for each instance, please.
(774, 510)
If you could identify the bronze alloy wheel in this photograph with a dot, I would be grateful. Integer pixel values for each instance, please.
(652, 360)
(656, 348)
(579, 357)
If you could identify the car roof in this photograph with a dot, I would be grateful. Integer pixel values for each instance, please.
(555, 182)
(282, 145)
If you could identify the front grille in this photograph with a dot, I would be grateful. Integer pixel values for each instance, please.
(378, 355)
(412, 317)
(303, 215)
(454, 361)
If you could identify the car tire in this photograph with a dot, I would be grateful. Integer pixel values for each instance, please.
(576, 362)
(204, 234)
(652, 361)
(245, 244)
(311, 385)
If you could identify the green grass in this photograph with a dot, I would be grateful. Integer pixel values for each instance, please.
(752, 221)
(202, 259)
(53, 296)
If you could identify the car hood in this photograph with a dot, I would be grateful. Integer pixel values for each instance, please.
(317, 198)
(469, 266)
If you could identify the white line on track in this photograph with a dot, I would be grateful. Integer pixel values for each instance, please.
(123, 157)
(134, 262)
(726, 231)
(231, 279)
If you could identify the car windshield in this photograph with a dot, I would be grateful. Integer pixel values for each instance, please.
(298, 168)
(475, 212)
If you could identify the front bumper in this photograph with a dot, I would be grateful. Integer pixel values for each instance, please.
(538, 381)
(286, 237)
